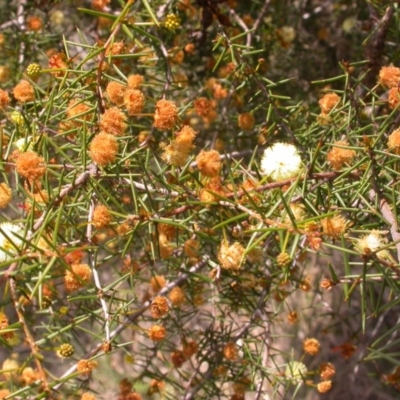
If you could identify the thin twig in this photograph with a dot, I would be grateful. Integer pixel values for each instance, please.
(96, 274)
(34, 348)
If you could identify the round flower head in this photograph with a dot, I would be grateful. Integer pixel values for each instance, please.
(10, 241)
(4, 99)
(394, 97)
(85, 367)
(334, 226)
(394, 141)
(103, 148)
(324, 386)
(157, 333)
(24, 92)
(281, 161)
(159, 307)
(135, 81)
(30, 165)
(77, 277)
(116, 91)
(113, 121)
(328, 102)
(177, 296)
(101, 216)
(24, 144)
(134, 101)
(389, 76)
(246, 121)
(311, 346)
(209, 163)
(231, 256)
(5, 195)
(202, 106)
(339, 156)
(166, 115)
(371, 243)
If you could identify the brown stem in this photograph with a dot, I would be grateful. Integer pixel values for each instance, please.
(34, 348)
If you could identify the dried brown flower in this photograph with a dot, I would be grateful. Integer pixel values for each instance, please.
(156, 386)
(77, 277)
(159, 307)
(177, 358)
(327, 284)
(190, 348)
(113, 121)
(311, 346)
(30, 165)
(103, 149)
(246, 121)
(231, 351)
(202, 106)
(209, 163)
(24, 92)
(346, 349)
(101, 216)
(328, 102)
(34, 23)
(327, 371)
(166, 115)
(292, 317)
(339, 156)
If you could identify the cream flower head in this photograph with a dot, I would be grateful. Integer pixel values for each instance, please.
(281, 161)
(10, 240)
(371, 243)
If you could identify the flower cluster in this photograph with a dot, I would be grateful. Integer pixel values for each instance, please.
(177, 152)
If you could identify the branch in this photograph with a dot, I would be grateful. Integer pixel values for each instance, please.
(34, 348)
